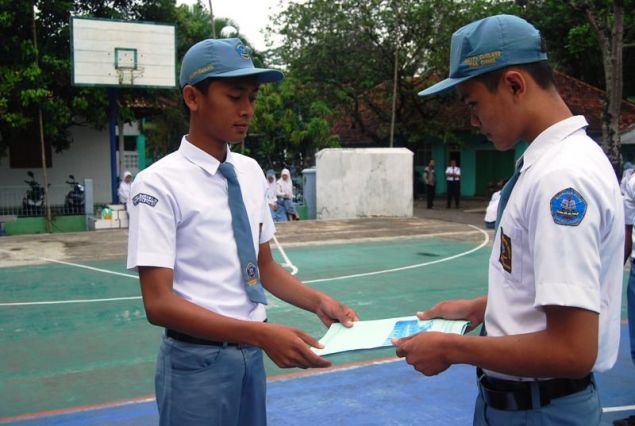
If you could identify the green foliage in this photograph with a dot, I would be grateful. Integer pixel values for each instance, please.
(289, 125)
(338, 56)
(573, 46)
(344, 52)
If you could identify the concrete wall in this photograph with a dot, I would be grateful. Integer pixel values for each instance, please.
(360, 182)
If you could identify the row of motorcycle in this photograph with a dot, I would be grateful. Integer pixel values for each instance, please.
(33, 201)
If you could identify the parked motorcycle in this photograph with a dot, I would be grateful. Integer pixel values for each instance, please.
(75, 199)
(33, 201)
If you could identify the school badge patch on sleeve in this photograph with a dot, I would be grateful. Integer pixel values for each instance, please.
(568, 207)
(145, 199)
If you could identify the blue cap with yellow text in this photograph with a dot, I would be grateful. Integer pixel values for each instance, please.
(487, 45)
(222, 58)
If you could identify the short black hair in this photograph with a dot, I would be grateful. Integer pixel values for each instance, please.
(202, 86)
(541, 72)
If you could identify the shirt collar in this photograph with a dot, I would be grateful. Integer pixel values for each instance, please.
(201, 158)
(551, 136)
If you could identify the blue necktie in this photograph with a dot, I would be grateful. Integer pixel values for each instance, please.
(242, 235)
(507, 191)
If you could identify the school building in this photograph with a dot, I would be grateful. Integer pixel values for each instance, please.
(481, 164)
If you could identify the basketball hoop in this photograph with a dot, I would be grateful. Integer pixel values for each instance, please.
(129, 54)
(126, 76)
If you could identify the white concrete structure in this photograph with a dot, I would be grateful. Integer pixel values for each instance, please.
(363, 182)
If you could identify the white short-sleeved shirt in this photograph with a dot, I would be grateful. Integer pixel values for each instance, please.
(628, 189)
(455, 171)
(180, 219)
(560, 240)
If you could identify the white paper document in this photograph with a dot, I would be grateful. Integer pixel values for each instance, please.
(378, 333)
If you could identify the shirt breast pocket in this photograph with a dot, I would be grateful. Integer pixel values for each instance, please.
(507, 259)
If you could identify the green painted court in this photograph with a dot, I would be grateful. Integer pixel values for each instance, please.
(75, 335)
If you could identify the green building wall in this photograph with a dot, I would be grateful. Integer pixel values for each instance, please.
(480, 164)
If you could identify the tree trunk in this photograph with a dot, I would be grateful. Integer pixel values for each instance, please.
(611, 37)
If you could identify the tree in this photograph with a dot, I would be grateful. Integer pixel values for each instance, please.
(289, 126)
(31, 78)
(595, 34)
(167, 121)
(346, 50)
(607, 21)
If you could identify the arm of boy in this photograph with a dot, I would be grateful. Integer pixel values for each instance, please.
(566, 348)
(287, 346)
(288, 288)
(285, 286)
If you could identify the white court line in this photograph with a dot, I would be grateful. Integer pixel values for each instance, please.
(62, 302)
(404, 268)
(287, 262)
(385, 271)
(618, 409)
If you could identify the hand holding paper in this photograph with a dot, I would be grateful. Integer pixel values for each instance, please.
(379, 333)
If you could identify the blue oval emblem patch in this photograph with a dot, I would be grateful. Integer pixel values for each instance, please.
(568, 207)
(243, 51)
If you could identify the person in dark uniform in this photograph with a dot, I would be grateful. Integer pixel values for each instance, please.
(430, 180)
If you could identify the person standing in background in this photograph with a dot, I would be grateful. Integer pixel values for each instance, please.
(124, 188)
(628, 188)
(430, 180)
(453, 179)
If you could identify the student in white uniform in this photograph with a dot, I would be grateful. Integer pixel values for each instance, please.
(552, 312)
(285, 194)
(628, 188)
(453, 184)
(189, 220)
(124, 188)
(491, 210)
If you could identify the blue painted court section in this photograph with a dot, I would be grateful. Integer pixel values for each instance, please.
(388, 393)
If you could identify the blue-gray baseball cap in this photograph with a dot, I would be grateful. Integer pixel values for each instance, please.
(487, 45)
(222, 58)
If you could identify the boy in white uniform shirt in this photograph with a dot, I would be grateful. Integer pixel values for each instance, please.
(628, 189)
(188, 245)
(552, 313)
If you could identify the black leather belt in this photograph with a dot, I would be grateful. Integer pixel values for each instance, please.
(181, 337)
(515, 395)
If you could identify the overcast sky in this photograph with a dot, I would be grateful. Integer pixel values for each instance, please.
(252, 16)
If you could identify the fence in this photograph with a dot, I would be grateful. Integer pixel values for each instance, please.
(21, 201)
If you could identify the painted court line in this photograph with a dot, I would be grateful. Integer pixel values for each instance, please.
(343, 277)
(618, 409)
(287, 261)
(78, 409)
(404, 268)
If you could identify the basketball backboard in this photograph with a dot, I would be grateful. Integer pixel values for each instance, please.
(114, 53)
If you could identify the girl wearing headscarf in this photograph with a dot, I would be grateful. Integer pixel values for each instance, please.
(124, 188)
(285, 194)
(277, 211)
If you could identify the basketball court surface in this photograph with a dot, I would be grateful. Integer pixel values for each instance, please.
(76, 348)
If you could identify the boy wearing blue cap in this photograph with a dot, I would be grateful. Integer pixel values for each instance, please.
(204, 259)
(552, 313)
